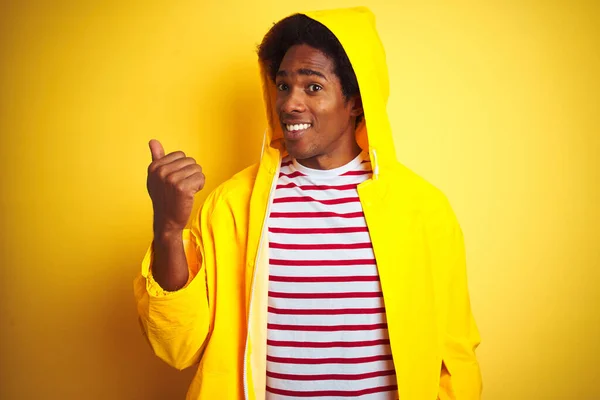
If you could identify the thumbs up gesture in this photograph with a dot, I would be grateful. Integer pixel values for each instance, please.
(173, 180)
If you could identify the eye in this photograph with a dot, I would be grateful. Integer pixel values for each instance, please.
(313, 87)
(281, 87)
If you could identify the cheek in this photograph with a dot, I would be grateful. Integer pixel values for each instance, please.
(278, 103)
(321, 109)
(330, 122)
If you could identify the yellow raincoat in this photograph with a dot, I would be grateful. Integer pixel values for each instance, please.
(218, 320)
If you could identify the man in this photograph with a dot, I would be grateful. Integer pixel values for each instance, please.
(327, 270)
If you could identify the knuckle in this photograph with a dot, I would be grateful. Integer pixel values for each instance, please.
(162, 173)
(151, 167)
(171, 180)
(180, 187)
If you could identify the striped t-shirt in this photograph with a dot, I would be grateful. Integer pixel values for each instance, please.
(327, 333)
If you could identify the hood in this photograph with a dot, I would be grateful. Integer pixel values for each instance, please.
(355, 29)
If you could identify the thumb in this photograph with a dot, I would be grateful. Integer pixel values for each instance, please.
(156, 149)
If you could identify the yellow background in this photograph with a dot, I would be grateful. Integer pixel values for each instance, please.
(497, 103)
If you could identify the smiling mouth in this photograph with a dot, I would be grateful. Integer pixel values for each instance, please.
(296, 127)
(295, 131)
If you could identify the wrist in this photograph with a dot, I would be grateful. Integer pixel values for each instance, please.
(168, 237)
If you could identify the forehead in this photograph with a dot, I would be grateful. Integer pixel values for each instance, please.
(305, 56)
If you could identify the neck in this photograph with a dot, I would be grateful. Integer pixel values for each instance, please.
(341, 155)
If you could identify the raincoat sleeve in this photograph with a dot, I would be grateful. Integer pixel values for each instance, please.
(460, 374)
(177, 324)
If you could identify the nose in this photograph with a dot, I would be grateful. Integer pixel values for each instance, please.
(292, 101)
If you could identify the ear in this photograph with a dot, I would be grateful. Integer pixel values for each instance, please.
(356, 105)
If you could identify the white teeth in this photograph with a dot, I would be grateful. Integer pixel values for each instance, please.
(297, 127)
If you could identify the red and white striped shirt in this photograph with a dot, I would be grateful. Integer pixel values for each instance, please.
(327, 333)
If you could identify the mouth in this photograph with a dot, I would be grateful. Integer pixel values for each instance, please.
(295, 131)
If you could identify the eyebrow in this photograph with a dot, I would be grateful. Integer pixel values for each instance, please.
(303, 71)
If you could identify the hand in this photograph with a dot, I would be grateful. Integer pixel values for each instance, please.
(173, 180)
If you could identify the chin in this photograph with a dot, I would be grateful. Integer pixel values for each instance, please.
(299, 152)
(301, 155)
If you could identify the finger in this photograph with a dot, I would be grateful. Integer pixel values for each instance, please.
(156, 150)
(168, 168)
(195, 182)
(169, 158)
(178, 176)
(163, 163)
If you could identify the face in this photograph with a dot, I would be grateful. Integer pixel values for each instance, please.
(317, 121)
